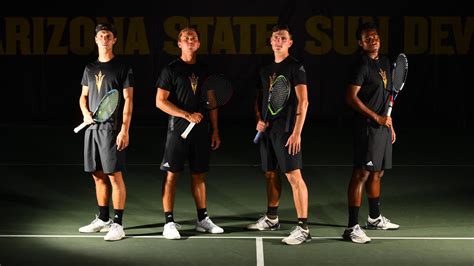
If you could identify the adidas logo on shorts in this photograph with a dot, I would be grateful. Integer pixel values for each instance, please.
(370, 163)
(166, 165)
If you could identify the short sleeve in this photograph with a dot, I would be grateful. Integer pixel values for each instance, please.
(300, 75)
(164, 80)
(129, 80)
(357, 74)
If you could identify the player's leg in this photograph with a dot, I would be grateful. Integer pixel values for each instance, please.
(168, 193)
(273, 183)
(204, 222)
(291, 165)
(173, 163)
(359, 177)
(356, 188)
(113, 162)
(92, 164)
(382, 154)
(198, 189)
(300, 197)
(119, 195)
(372, 189)
(102, 189)
(300, 193)
(199, 158)
(354, 232)
(269, 221)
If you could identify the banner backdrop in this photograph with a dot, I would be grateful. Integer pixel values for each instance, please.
(44, 50)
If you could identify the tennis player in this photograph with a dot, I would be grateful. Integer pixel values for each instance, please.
(105, 143)
(178, 90)
(368, 95)
(280, 145)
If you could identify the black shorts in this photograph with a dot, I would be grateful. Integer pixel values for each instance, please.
(100, 152)
(273, 153)
(372, 147)
(196, 148)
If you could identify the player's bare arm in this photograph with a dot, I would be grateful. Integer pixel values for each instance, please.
(294, 141)
(261, 125)
(123, 136)
(215, 138)
(166, 106)
(394, 135)
(353, 100)
(83, 104)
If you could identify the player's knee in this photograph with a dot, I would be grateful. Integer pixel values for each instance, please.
(360, 175)
(271, 175)
(381, 174)
(199, 177)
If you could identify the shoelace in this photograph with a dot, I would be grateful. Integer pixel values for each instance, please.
(265, 221)
(358, 231)
(385, 220)
(261, 220)
(114, 226)
(175, 225)
(298, 232)
(96, 219)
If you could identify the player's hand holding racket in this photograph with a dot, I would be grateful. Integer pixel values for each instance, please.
(215, 92)
(279, 93)
(104, 111)
(399, 76)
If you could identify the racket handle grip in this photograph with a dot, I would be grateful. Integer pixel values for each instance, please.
(81, 126)
(257, 137)
(188, 129)
(390, 106)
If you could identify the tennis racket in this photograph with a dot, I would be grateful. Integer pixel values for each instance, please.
(104, 110)
(399, 76)
(215, 92)
(278, 95)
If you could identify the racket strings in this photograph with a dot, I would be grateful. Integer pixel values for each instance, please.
(399, 77)
(400, 73)
(217, 92)
(279, 94)
(107, 107)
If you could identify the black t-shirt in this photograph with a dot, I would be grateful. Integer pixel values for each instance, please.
(103, 77)
(294, 72)
(374, 92)
(184, 82)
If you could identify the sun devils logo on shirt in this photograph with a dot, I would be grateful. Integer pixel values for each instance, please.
(383, 75)
(194, 82)
(272, 79)
(98, 80)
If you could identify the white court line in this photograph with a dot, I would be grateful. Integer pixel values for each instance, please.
(238, 237)
(232, 165)
(259, 247)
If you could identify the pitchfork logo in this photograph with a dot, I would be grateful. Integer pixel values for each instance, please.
(383, 75)
(271, 79)
(194, 82)
(98, 80)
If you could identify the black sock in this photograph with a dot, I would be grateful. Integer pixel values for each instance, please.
(169, 217)
(374, 207)
(202, 214)
(118, 216)
(302, 222)
(272, 212)
(353, 216)
(104, 213)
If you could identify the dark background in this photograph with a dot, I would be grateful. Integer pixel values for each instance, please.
(44, 89)
(44, 190)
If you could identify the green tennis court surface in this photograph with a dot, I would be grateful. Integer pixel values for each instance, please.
(45, 197)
